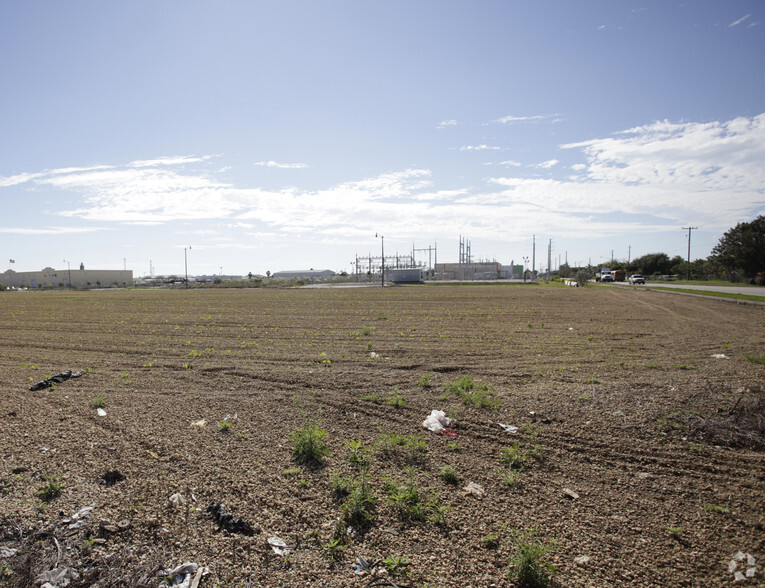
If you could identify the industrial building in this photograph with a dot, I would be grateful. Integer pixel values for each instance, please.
(67, 278)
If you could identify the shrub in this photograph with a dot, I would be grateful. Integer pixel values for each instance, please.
(308, 444)
(360, 507)
(449, 475)
(479, 394)
(527, 564)
(51, 490)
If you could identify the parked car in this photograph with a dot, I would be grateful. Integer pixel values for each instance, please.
(637, 279)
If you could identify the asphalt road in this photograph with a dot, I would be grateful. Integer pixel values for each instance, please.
(750, 290)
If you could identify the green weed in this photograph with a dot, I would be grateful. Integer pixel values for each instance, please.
(51, 490)
(308, 444)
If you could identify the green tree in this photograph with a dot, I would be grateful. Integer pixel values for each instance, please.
(742, 248)
(651, 264)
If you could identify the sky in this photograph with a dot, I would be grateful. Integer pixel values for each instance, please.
(246, 136)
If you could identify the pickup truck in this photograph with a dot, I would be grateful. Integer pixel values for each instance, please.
(636, 279)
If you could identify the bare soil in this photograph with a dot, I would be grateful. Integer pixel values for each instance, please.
(642, 453)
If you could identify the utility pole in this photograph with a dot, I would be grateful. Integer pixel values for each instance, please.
(382, 263)
(549, 258)
(533, 255)
(186, 264)
(689, 229)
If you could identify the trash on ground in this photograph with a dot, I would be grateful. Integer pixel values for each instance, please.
(475, 490)
(111, 478)
(738, 560)
(57, 577)
(78, 519)
(57, 379)
(177, 499)
(539, 417)
(509, 428)
(7, 552)
(201, 423)
(279, 546)
(719, 356)
(226, 521)
(582, 560)
(101, 412)
(185, 575)
(568, 493)
(437, 422)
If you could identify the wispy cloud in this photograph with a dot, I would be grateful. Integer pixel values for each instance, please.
(50, 230)
(281, 165)
(547, 164)
(479, 148)
(739, 21)
(537, 118)
(447, 123)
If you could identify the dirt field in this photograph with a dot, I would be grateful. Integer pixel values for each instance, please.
(638, 460)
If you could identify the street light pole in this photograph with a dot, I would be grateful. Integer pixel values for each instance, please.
(525, 262)
(186, 264)
(69, 269)
(382, 263)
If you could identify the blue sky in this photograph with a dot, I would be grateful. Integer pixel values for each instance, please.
(276, 135)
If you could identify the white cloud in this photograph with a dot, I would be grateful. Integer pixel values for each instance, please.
(281, 165)
(552, 118)
(547, 164)
(49, 230)
(447, 123)
(739, 21)
(479, 148)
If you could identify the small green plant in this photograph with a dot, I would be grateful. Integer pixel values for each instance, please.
(718, 509)
(225, 426)
(513, 456)
(391, 444)
(334, 549)
(358, 455)
(527, 565)
(511, 477)
(479, 394)
(366, 331)
(455, 447)
(683, 366)
(449, 475)
(753, 358)
(395, 399)
(187, 366)
(397, 566)
(372, 397)
(51, 490)
(89, 543)
(341, 486)
(308, 444)
(490, 541)
(675, 532)
(98, 401)
(360, 507)
(369, 346)
(424, 381)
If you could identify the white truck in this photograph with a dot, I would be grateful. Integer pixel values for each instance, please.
(605, 275)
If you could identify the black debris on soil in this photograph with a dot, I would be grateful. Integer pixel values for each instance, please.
(111, 478)
(57, 379)
(226, 521)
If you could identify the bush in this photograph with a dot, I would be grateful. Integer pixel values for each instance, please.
(308, 444)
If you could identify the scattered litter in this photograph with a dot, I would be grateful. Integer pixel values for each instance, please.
(185, 576)
(582, 560)
(571, 328)
(475, 490)
(279, 546)
(7, 552)
(539, 417)
(228, 417)
(101, 412)
(363, 566)
(111, 478)
(568, 493)
(719, 356)
(78, 519)
(177, 499)
(738, 559)
(374, 355)
(509, 428)
(57, 379)
(201, 423)
(437, 422)
(57, 577)
(226, 521)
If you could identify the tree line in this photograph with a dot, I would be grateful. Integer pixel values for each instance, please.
(738, 256)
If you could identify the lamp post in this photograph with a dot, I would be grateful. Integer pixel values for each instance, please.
(186, 264)
(525, 262)
(382, 263)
